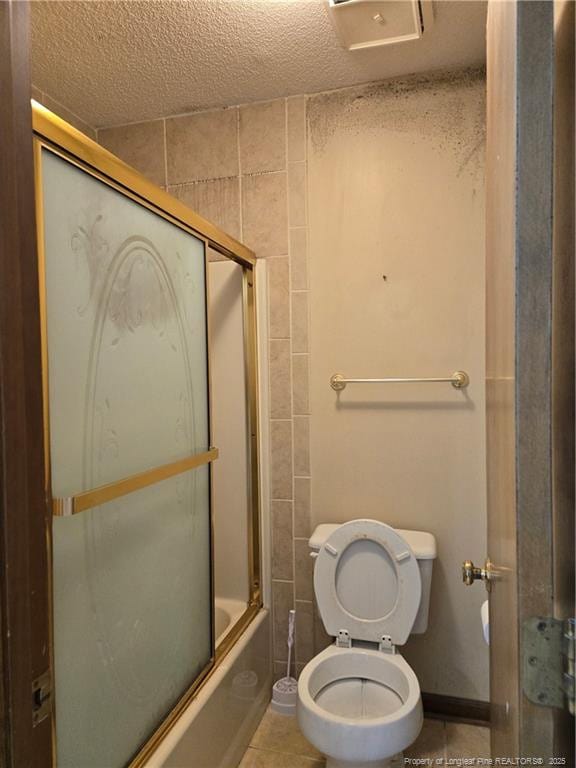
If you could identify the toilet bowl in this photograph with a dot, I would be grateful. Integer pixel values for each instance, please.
(359, 701)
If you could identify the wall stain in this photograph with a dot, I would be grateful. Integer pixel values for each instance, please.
(434, 108)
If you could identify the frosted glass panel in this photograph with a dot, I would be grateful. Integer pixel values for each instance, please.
(126, 333)
(127, 359)
(132, 612)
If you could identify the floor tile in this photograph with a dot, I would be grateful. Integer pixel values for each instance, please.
(265, 758)
(467, 740)
(281, 734)
(431, 741)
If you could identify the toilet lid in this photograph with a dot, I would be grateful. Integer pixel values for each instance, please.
(367, 582)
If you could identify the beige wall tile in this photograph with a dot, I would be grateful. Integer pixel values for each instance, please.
(280, 389)
(304, 631)
(36, 94)
(300, 321)
(300, 384)
(264, 214)
(282, 734)
(302, 528)
(304, 569)
(70, 117)
(299, 259)
(282, 543)
(296, 107)
(321, 638)
(202, 146)
(282, 603)
(141, 145)
(281, 459)
(301, 445)
(467, 740)
(215, 256)
(279, 298)
(263, 137)
(279, 669)
(297, 194)
(217, 200)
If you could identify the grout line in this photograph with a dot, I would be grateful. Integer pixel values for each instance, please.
(286, 165)
(195, 182)
(240, 185)
(265, 173)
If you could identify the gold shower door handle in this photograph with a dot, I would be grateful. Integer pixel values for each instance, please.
(470, 573)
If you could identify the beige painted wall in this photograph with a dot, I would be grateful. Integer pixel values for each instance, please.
(395, 185)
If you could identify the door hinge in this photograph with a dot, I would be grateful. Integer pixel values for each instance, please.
(548, 662)
(41, 698)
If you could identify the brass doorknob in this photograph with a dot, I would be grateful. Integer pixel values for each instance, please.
(470, 573)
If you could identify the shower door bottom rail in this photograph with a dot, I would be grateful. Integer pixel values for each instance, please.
(65, 506)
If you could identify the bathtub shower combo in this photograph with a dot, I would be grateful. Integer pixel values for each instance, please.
(151, 429)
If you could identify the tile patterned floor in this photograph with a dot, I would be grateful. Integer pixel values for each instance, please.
(278, 743)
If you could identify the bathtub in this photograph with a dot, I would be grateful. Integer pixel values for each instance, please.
(226, 614)
(216, 727)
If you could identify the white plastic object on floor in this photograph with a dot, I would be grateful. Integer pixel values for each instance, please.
(285, 690)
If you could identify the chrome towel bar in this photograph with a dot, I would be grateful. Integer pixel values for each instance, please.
(459, 380)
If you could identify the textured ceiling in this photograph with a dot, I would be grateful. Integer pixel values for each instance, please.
(124, 61)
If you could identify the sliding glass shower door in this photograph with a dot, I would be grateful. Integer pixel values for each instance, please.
(129, 443)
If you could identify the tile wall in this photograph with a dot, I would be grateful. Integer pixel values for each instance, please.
(244, 168)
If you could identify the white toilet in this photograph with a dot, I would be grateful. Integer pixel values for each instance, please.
(358, 700)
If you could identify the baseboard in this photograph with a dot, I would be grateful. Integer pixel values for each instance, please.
(469, 711)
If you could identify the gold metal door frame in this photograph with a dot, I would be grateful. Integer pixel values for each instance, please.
(54, 134)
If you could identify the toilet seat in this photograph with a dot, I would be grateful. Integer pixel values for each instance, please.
(354, 563)
(344, 736)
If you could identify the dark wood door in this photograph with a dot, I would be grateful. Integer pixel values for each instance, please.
(26, 735)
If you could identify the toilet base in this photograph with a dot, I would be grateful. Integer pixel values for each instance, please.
(392, 762)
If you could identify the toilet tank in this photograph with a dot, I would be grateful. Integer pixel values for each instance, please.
(422, 543)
